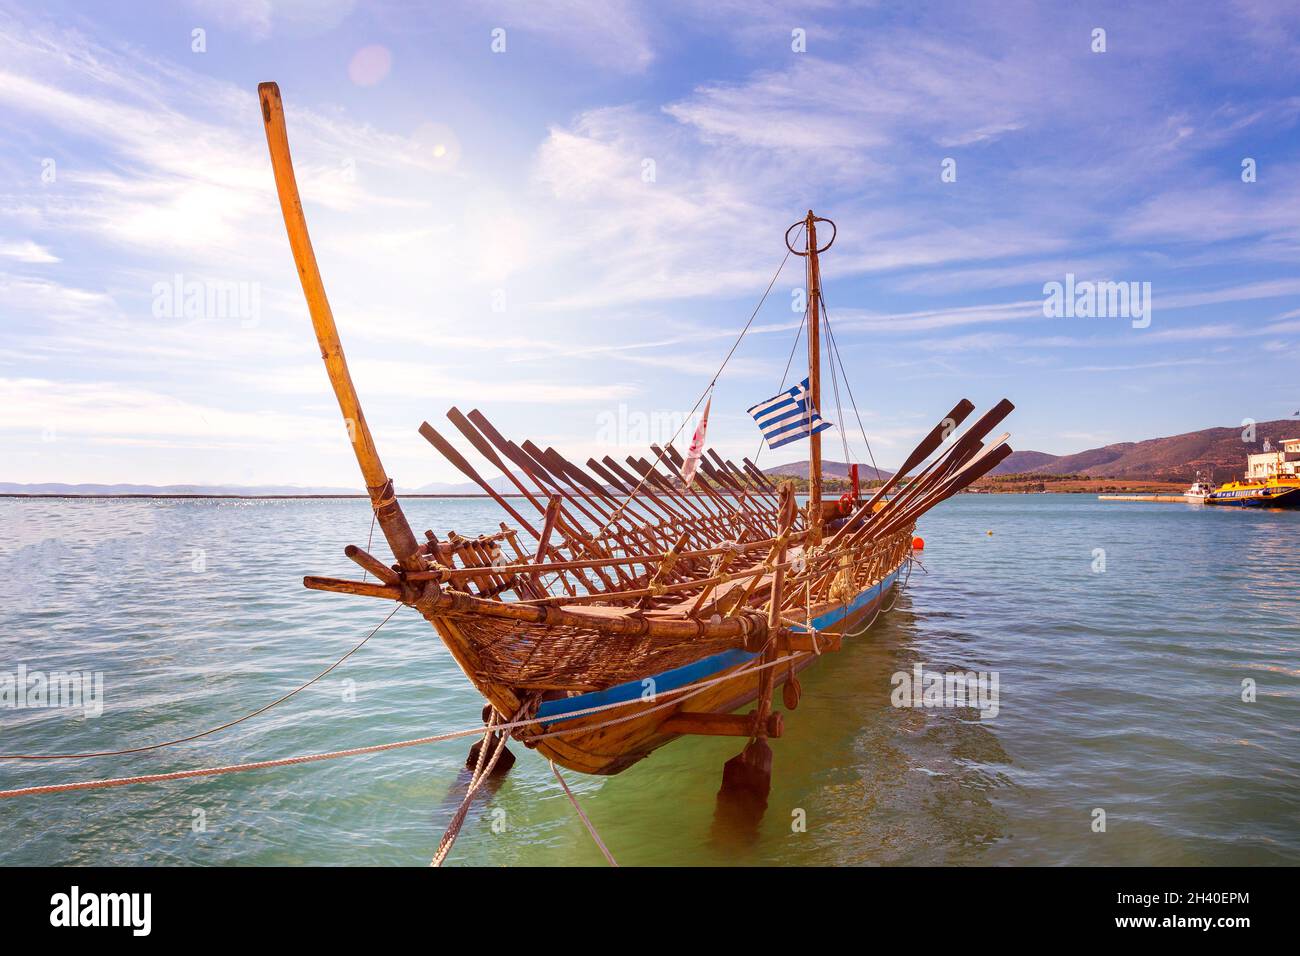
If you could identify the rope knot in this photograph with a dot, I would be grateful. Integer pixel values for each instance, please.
(382, 496)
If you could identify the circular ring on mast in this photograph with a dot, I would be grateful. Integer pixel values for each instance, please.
(801, 222)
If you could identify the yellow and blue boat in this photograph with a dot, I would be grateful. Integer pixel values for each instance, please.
(1271, 481)
(1265, 493)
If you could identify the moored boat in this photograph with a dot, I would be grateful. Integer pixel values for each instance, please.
(1272, 480)
(1263, 493)
(634, 602)
(1199, 490)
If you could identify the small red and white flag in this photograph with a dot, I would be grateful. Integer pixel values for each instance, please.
(697, 446)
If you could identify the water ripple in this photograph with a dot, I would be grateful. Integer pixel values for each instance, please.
(1120, 690)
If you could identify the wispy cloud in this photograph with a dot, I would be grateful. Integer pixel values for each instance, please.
(260, 19)
(589, 217)
(27, 251)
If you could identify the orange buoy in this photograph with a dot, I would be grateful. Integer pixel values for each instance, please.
(918, 544)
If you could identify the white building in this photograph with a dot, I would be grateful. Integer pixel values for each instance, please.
(1285, 463)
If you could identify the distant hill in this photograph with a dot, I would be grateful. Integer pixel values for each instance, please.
(1218, 453)
(499, 483)
(830, 469)
(1024, 462)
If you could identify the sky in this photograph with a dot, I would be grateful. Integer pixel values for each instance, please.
(562, 212)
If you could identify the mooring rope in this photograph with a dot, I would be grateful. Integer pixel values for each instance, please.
(481, 773)
(582, 816)
(211, 730)
(880, 609)
(899, 591)
(678, 695)
(370, 538)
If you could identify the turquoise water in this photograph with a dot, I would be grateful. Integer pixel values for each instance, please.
(1119, 690)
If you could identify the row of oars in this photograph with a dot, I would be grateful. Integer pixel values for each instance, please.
(964, 461)
(641, 509)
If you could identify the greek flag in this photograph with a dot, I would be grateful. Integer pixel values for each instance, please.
(788, 417)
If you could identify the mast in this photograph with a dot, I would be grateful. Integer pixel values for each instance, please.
(380, 487)
(814, 378)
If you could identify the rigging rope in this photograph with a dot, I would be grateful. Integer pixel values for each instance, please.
(614, 517)
(835, 389)
(830, 335)
(786, 374)
(370, 538)
(834, 356)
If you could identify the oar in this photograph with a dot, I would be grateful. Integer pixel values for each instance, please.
(649, 504)
(480, 440)
(959, 451)
(536, 474)
(580, 479)
(969, 478)
(485, 449)
(957, 457)
(456, 458)
(957, 454)
(764, 484)
(543, 543)
(976, 468)
(922, 494)
(924, 450)
(972, 472)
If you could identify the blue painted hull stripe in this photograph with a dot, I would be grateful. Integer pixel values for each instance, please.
(552, 711)
(1274, 500)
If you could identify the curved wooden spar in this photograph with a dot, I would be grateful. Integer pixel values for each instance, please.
(382, 498)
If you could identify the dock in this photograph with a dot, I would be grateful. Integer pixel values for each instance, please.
(1183, 499)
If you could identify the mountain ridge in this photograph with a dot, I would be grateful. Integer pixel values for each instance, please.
(1219, 454)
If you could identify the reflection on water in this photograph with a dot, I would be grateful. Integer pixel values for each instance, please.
(1120, 691)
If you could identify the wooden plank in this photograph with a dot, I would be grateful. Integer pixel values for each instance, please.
(341, 586)
(721, 725)
(372, 564)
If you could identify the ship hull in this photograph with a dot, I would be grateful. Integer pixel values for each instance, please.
(586, 747)
(1263, 497)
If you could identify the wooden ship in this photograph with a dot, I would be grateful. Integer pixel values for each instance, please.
(622, 607)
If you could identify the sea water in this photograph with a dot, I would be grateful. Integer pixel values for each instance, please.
(1147, 663)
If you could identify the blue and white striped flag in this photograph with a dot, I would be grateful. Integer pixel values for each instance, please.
(788, 417)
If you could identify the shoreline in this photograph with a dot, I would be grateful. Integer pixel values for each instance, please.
(230, 497)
